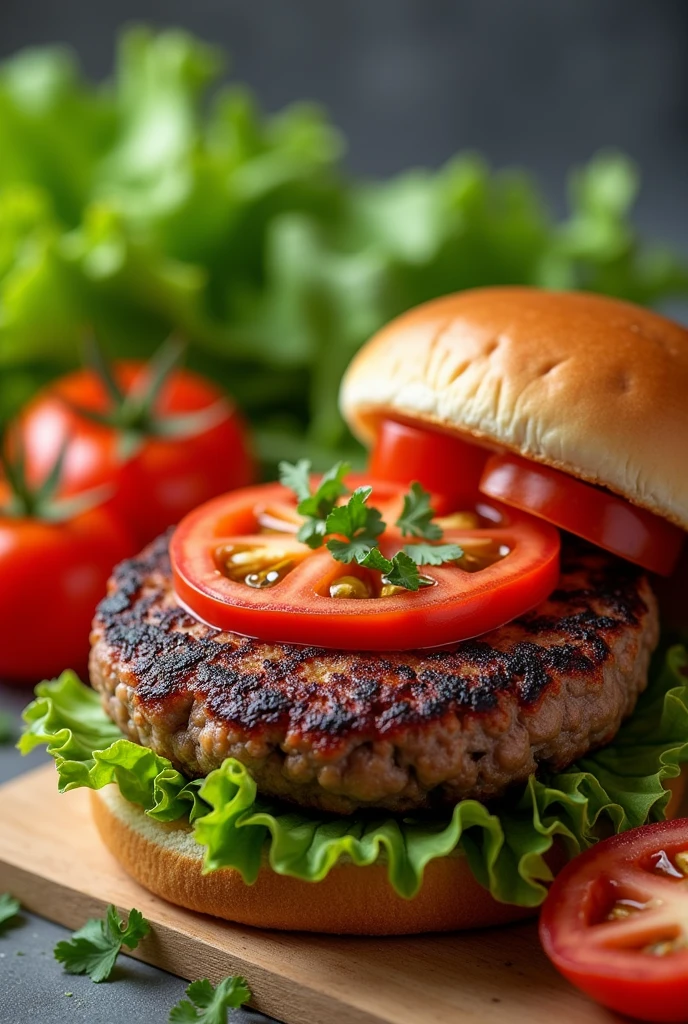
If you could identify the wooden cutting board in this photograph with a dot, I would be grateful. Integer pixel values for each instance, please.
(52, 860)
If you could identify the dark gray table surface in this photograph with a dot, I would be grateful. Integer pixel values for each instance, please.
(33, 985)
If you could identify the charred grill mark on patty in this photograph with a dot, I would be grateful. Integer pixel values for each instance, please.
(307, 719)
(470, 675)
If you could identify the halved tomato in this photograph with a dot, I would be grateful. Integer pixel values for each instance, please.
(604, 519)
(615, 922)
(237, 565)
(446, 465)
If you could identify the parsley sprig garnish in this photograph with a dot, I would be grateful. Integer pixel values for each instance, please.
(433, 554)
(208, 1004)
(314, 507)
(9, 908)
(359, 523)
(94, 948)
(417, 515)
(399, 571)
(351, 531)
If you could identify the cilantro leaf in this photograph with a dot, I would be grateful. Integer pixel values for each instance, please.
(209, 1005)
(9, 908)
(329, 491)
(94, 948)
(347, 551)
(358, 523)
(433, 554)
(376, 560)
(312, 533)
(296, 477)
(404, 573)
(355, 515)
(315, 507)
(416, 515)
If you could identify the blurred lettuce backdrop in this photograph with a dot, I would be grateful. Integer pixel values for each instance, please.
(151, 204)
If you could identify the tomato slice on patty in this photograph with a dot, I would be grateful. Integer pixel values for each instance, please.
(444, 464)
(615, 922)
(238, 565)
(604, 519)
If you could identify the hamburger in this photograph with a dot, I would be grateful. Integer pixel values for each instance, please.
(338, 725)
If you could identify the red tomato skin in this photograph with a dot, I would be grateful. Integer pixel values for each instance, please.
(640, 986)
(297, 612)
(166, 478)
(448, 466)
(604, 519)
(672, 595)
(53, 576)
(661, 1002)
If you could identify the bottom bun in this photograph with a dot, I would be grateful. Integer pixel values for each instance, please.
(168, 861)
(350, 901)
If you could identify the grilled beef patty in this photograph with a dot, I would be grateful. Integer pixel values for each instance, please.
(339, 730)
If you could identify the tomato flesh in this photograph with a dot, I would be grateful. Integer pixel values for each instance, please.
(604, 519)
(297, 607)
(615, 922)
(446, 465)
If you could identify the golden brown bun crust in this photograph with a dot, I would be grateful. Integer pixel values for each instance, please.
(590, 385)
(349, 901)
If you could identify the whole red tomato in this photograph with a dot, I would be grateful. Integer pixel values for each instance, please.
(157, 471)
(52, 575)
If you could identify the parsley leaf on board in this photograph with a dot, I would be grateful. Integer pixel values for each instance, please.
(209, 1005)
(94, 948)
(9, 908)
(357, 522)
(6, 728)
(433, 554)
(417, 514)
(315, 507)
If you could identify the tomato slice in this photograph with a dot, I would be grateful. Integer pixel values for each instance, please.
(604, 519)
(446, 465)
(238, 566)
(615, 922)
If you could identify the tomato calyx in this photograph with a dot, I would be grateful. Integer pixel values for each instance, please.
(133, 413)
(19, 499)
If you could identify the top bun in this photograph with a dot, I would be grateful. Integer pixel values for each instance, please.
(592, 386)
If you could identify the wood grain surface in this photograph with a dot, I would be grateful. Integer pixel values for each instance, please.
(52, 860)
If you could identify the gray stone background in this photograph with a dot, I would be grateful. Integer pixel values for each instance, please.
(538, 83)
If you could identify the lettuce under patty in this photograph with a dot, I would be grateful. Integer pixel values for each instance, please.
(612, 790)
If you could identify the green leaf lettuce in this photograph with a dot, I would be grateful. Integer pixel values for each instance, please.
(164, 200)
(611, 790)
